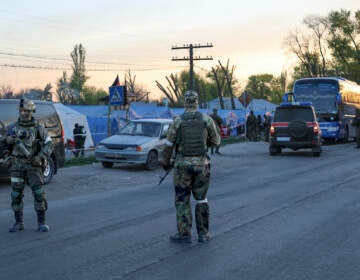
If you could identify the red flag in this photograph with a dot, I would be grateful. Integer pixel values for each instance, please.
(116, 82)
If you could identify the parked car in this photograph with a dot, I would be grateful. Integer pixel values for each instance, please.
(47, 116)
(295, 126)
(139, 142)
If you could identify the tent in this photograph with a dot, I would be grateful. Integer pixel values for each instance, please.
(261, 106)
(215, 103)
(68, 119)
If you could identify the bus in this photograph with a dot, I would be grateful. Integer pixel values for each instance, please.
(334, 99)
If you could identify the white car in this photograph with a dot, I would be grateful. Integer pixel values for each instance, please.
(138, 142)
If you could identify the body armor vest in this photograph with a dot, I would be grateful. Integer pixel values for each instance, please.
(191, 135)
(27, 141)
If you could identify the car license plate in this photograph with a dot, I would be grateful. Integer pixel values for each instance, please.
(283, 138)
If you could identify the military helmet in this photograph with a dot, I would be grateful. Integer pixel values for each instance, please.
(191, 97)
(27, 104)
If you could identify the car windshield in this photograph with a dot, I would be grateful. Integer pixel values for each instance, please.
(150, 129)
(292, 114)
(322, 94)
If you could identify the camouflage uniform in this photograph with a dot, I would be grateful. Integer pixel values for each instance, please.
(192, 176)
(218, 121)
(30, 146)
(251, 127)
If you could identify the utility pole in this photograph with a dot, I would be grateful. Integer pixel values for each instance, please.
(191, 58)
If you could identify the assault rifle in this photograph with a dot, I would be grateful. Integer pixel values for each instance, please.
(164, 176)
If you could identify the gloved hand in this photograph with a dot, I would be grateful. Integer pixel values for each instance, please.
(10, 140)
(36, 161)
(8, 161)
(168, 166)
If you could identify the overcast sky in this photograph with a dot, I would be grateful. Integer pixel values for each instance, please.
(138, 35)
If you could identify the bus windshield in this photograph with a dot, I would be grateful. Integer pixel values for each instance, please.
(322, 94)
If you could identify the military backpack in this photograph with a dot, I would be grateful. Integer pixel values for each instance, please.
(191, 135)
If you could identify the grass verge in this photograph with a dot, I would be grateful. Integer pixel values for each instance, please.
(77, 161)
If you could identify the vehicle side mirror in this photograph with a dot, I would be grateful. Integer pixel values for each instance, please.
(163, 135)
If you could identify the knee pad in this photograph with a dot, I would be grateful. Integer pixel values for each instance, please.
(201, 201)
(17, 182)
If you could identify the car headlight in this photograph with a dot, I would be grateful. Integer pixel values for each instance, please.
(100, 147)
(134, 148)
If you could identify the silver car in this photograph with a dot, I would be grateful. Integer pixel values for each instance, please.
(138, 142)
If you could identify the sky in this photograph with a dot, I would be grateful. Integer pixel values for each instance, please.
(37, 37)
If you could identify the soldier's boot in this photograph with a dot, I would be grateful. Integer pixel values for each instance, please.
(19, 222)
(181, 238)
(42, 226)
(202, 220)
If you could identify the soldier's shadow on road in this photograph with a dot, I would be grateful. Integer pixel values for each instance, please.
(301, 154)
(132, 167)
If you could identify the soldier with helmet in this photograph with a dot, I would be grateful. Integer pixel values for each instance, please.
(189, 136)
(29, 148)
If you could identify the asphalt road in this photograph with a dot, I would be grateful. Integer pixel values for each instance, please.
(292, 216)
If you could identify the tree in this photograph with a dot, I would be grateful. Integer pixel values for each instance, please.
(173, 92)
(229, 74)
(93, 96)
(219, 80)
(133, 87)
(344, 42)
(307, 53)
(78, 77)
(65, 93)
(6, 91)
(259, 86)
(319, 28)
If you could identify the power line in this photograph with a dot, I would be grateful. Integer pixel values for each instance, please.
(89, 70)
(69, 60)
(191, 58)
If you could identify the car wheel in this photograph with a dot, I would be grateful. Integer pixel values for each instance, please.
(49, 170)
(152, 160)
(107, 164)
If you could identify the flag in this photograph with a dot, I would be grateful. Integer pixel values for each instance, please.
(116, 82)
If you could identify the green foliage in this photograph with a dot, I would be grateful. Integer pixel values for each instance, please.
(266, 86)
(344, 42)
(78, 77)
(336, 51)
(92, 96)
(77, 161)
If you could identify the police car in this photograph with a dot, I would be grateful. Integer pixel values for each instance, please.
(295, 127)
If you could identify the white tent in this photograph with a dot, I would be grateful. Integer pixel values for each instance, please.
(261, 105)
(68, 119)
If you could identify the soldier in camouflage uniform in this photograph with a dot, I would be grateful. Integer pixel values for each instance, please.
(190, 135)
(218, 121)
(30, 146)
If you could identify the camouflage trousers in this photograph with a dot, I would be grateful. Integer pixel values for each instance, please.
(32, 178)
(192, 179)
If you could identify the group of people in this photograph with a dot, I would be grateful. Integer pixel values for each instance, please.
(256, 127)
(188, 140)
